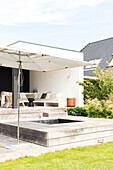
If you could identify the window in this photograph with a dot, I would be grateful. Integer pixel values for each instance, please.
(92, 67)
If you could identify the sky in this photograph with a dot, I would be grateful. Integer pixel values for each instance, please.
(70, 24)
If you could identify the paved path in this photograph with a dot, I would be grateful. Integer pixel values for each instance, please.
(27, 150)
(16, 152)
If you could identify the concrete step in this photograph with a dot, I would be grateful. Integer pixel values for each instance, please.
(31, 110)
(22, 116)
(54, 114)
(9, 114)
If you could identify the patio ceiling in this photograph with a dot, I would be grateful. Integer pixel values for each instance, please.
(38, 62)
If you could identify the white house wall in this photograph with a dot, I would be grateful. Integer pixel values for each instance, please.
(56, 81)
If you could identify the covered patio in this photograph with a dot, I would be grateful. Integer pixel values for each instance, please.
(52, 70)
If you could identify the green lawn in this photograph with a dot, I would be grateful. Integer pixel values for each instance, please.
(98, 157)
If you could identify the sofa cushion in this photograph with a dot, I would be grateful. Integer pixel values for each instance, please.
(23, 96)
(48, 95)
(53, 96)
(30, 95)
(58, 96)
(37, 95)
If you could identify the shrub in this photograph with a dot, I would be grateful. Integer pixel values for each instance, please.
(77, 111)
(94, 108)
(98, 95)
(100, 109)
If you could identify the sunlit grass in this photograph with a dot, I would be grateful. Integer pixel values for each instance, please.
(84, 158)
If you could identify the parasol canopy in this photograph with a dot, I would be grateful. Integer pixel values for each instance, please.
(38, 62)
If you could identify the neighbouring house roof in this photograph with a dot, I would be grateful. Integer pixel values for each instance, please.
(98, 52)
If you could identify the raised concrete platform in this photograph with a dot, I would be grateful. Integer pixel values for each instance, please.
(86, 132)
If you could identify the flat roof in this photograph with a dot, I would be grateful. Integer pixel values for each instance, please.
(42, 45)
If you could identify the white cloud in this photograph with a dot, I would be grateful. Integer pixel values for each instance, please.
(56, 12)
(107, 19)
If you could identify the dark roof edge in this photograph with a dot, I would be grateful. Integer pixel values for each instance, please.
(85, 47)
(96, 42)
(102, 40)
(43, 46)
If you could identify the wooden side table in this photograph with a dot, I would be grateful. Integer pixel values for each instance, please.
(71, 102)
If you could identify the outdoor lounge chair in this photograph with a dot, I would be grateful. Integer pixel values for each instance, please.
(6, 99)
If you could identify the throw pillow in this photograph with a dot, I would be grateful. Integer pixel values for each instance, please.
(43, 95)
(53, 96)
(48, 95)
(39, 95)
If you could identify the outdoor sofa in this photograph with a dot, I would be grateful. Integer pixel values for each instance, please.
(40, 99)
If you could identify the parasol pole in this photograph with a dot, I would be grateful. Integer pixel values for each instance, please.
(19, 68)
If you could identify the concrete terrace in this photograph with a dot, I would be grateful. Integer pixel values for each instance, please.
(101, 130)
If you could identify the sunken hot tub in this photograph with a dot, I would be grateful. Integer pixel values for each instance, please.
(56, 121)
(48, 132)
